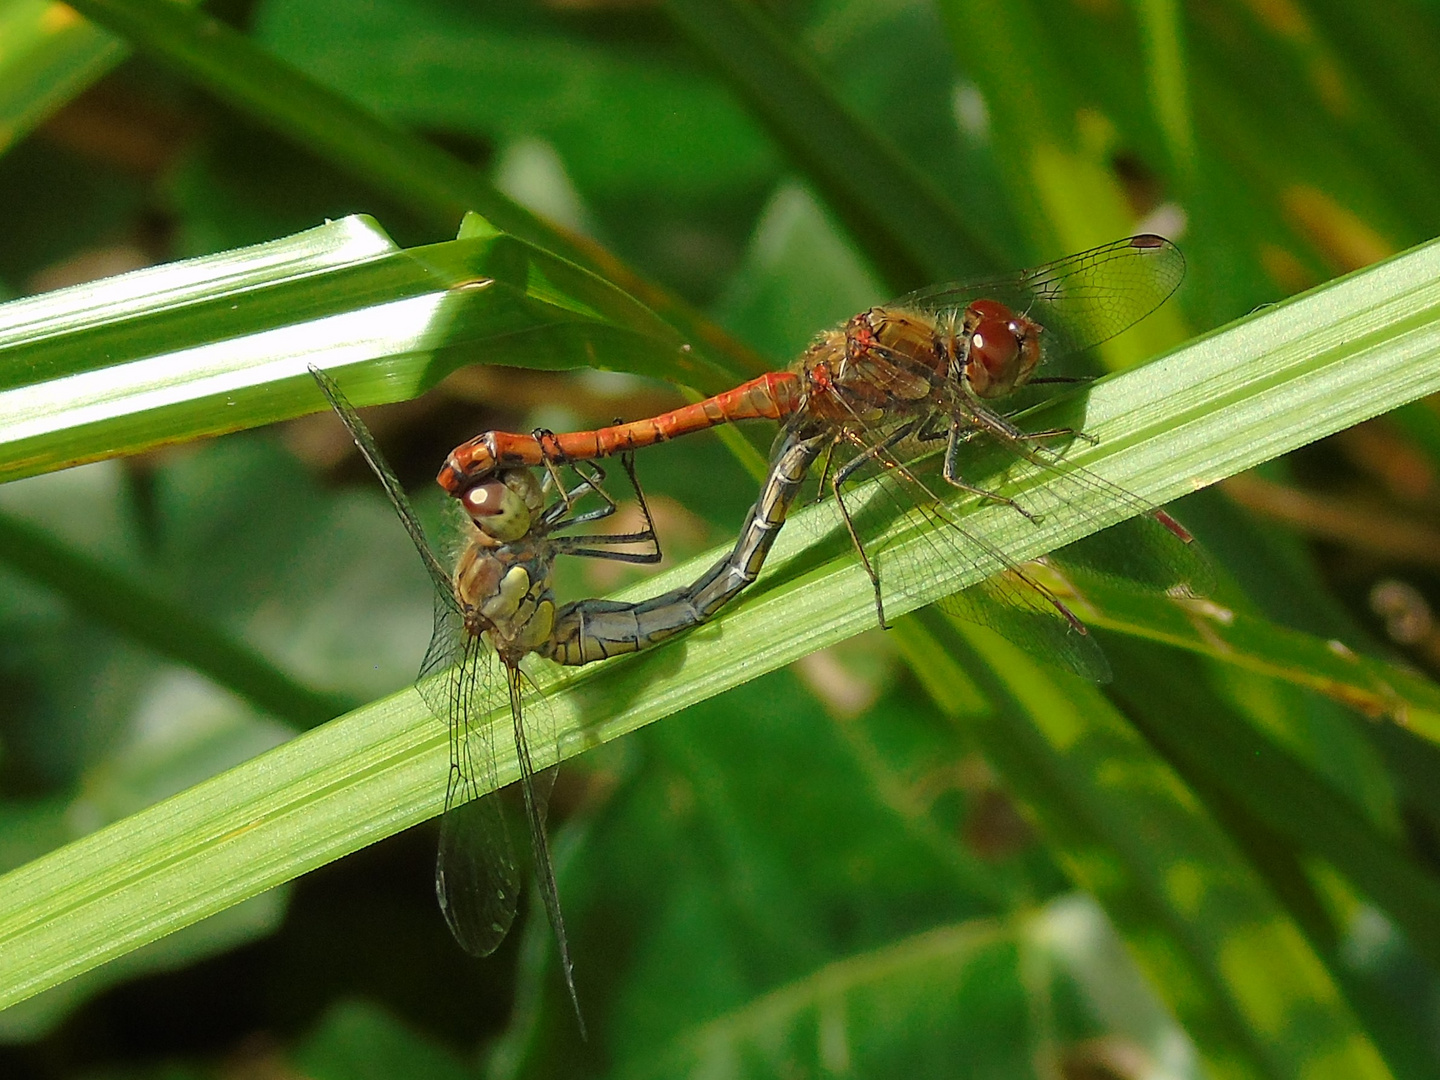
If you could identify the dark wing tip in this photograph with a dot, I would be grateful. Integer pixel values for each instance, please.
(1149, 240)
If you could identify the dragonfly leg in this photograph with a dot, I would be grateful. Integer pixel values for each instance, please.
(567, 502)
(825, 471)
(553, 455)
(992, 423)
(648, 534)
(859, 546)
(590, 478)
(571, 545)
(875, 452)
(951, 472)
(1059, 433)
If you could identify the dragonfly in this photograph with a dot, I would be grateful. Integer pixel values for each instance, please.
(894, 382)
(495, 608)
(953, 348)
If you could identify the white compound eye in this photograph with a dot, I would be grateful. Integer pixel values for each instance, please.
(497, 510)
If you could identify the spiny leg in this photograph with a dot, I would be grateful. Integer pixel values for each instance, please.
(951, 473)
(648, 535)
(859, 546)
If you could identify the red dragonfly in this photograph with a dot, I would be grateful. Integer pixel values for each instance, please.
(929, 367)
(949, 347)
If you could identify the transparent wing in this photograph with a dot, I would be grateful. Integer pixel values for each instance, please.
(1081, 300)
(365, 443)
(1010, 599)
(536, 786)
(476, 878)
(1134, 540)
(908, 499)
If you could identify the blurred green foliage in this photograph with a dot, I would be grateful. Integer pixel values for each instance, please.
(864, 865)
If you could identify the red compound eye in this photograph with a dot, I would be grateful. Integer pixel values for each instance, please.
(995, 339)
(1004, 348)
(996, 345)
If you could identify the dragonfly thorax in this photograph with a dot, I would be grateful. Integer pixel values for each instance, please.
(506, 600)
(880, 362)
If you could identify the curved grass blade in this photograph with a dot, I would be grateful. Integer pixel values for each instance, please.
(224, 342)
(1238, 972)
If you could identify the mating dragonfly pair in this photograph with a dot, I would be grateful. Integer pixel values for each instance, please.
(877, 396)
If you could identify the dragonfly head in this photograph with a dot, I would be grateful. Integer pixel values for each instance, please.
(503, 508)
(1003, 348)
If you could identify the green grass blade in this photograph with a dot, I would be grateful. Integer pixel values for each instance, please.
(1376, 688)
(935, 964)
(1287, 796)
(49, 57)
(1162, 31)
(1053, 150)
(224, 342)
(217, 57)
(1241, 978)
